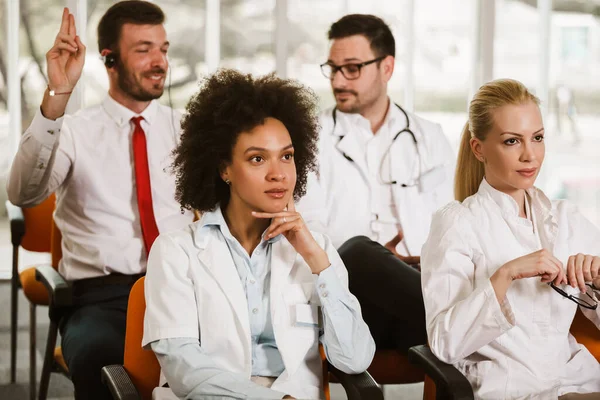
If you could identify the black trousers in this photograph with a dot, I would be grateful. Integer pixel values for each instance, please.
(389, 292)
(93, 336)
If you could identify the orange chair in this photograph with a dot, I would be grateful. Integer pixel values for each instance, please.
(443, 381)
(586, 333)
(59, 298)
(140, 372)
(30, 229)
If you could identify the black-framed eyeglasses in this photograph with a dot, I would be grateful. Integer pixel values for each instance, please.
(584, 300)
(350, 71)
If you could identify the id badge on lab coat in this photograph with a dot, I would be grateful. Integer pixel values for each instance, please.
(307, 315)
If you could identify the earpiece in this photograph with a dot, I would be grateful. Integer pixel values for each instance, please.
(110, 60)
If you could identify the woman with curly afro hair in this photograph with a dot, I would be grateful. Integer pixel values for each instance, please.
(233, 300)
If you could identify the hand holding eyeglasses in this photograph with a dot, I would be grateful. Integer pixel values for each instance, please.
(583, 268)
(540, 263)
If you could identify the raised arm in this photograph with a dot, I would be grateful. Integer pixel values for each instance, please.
(41, 163)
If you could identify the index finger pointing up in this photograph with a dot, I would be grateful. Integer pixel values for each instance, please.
(64, 25)
(72, 29)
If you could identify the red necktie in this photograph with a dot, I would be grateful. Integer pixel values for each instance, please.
(142, 185)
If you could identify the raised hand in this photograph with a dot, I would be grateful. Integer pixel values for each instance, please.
(66, 58)
(291, 224)
(583, 268)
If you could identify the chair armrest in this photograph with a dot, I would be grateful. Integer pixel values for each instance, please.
(58, 288)
(446, 377)
(17, 223)
(359, 386)
(119, 383)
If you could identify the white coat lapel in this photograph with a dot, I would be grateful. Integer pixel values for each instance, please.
(410, 204)
(348, 145)
(282, 263)
(215, 256)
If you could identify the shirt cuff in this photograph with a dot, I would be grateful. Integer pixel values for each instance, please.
(329, 288)
(502, 311)
(44, 130)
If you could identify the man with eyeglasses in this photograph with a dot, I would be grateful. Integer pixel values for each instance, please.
(383, 172)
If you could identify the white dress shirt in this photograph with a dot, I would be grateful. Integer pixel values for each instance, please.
(377, 159)
(87, 160)
(520, 348)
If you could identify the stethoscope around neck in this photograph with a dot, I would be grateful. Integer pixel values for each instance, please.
(387, 152)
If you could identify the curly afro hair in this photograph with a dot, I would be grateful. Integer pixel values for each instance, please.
(227, 104)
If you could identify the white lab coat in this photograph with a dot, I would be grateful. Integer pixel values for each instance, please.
(205, 299)
(521, 349)
(340, 201)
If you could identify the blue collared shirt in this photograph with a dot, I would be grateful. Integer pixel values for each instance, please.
(255, 274)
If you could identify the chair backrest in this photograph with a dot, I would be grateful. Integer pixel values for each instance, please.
(55, 245)
(586, 333)
(141, 365)
(39, 226)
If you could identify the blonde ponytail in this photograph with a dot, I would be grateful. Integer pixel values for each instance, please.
(468, 168)
(495, 94)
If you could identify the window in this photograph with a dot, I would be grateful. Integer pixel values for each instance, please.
(443, 59)
(308, 46)
(572, 167)
(39, 24)
(247, 32)
(574, 44)
(5, 141)
(517, 42)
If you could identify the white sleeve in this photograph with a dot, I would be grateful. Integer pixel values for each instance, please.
(585, 239)
(346, 339)
(171, 310)
(42, 162)
(462, 315)
(192, 374)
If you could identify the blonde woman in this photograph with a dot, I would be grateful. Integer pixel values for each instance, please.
(504, 269)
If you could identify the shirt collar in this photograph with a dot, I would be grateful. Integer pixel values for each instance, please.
(122, 115)
(216, 218)
(508, 205)
(348, 122)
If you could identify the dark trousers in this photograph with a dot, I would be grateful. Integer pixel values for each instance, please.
(93, 335)
(389, 292)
